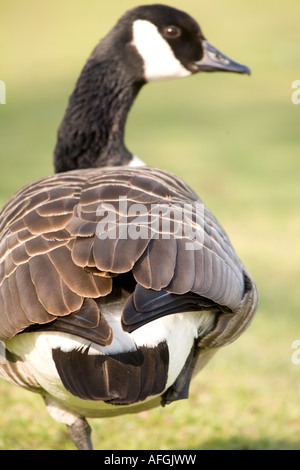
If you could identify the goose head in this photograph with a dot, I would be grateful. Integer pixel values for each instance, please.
(148, 43)
(157, 42)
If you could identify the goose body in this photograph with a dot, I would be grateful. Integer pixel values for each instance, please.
(117, 284)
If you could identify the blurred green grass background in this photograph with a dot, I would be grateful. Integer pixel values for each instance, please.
(235, 140)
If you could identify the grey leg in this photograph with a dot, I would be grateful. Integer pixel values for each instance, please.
(80, 433)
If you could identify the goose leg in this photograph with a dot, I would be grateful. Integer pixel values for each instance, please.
(80, 434)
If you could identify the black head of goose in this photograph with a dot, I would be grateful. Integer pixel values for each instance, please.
(148, 43)
(117, 284)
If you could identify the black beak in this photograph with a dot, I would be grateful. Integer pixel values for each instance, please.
(214, 61)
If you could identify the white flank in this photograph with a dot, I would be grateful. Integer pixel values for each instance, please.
(159, 60)
(178, 330)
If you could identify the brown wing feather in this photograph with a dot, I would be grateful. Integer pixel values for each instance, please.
(80, 281)
(55, 251)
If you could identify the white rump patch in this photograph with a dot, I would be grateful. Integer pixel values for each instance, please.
(159, 60)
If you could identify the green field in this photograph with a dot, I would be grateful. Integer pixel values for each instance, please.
(236, 141)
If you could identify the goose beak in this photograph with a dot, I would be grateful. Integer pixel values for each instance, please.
(213, 61)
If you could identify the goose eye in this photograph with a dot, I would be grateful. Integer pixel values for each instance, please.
(172, 32)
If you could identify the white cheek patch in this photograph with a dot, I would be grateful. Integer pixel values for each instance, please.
(159, 60)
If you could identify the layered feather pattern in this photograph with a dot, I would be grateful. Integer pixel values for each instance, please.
(66, 237)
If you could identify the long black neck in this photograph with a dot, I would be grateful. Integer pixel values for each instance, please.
(92, 131)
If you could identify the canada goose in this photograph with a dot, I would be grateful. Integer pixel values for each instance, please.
(117, 284)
